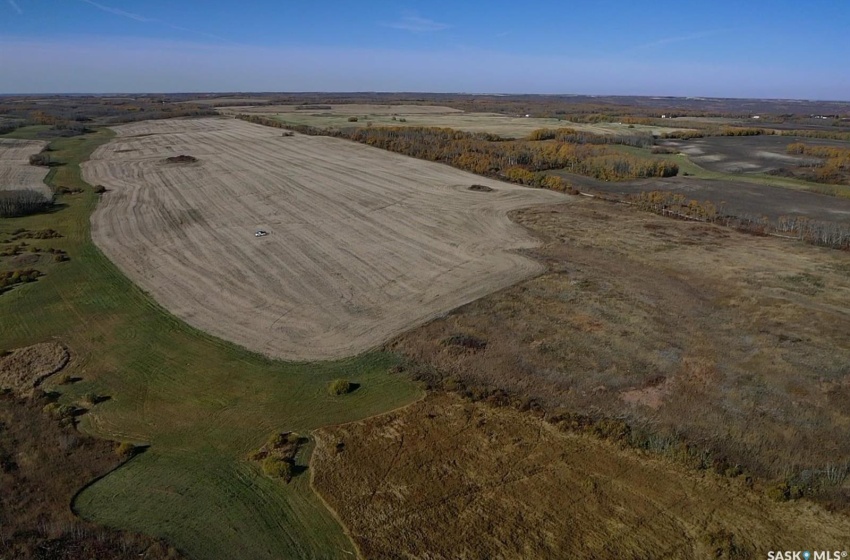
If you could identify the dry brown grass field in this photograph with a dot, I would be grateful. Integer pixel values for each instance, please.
(730, 349)
(15, 170)
(362, 244)
(23, 369)
(445, 478)
(722, 357)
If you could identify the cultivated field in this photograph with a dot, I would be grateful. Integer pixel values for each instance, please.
(444, 479)
(425, 115)
(349, 109)
(362, 243)
(15, 170)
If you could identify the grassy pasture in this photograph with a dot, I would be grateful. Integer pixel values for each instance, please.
(32, 132)
(200, 403)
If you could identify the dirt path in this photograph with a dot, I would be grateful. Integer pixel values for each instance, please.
(15, 170)
(362, 243)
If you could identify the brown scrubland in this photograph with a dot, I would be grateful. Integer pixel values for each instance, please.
(727, 348)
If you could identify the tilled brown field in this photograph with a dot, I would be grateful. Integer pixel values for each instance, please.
(362, 243)
(15, 170)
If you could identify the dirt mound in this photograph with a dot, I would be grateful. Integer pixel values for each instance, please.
(481, 188)
(24, 368)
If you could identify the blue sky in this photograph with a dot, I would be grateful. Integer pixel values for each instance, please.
(742, 48)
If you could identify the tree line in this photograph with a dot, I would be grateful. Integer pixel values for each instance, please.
(519, 161)
(835, 167)
(824, 134)
(718, 131)
(826, 234)
(22, 202)
(573, 136)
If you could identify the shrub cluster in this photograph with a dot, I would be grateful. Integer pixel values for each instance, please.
(278, 467)
(22, 233)
(61, 411)
(22, 276)
(277, 456)
(41, 159)
(12, 250)
(68, 190)
(339, 387)
(664, 150)
(125, 450)
(59, 255)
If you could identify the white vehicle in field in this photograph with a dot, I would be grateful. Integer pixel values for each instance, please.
(260, 233)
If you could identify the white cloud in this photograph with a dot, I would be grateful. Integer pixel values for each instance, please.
(15, 6)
